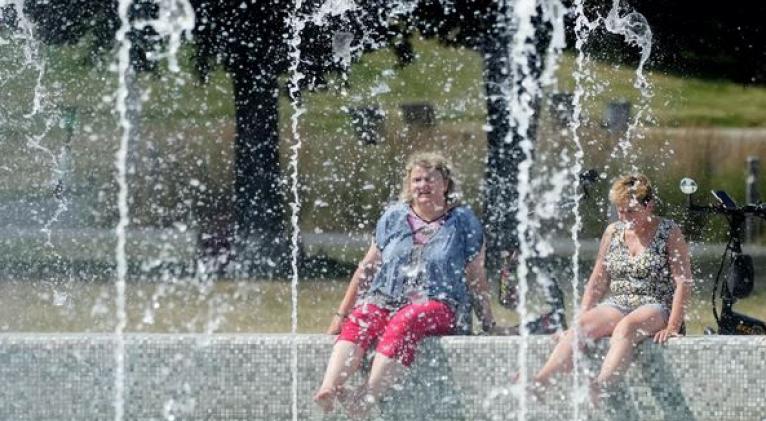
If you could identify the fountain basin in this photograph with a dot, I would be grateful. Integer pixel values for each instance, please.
(249, 377)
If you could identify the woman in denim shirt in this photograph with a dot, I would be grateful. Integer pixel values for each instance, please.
(418, 279)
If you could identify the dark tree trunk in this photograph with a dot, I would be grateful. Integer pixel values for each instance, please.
(504, 153)
(260, 245)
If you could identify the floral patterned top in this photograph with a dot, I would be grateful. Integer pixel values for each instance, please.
(642, 279)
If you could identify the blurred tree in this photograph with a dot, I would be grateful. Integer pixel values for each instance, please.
(250, 41)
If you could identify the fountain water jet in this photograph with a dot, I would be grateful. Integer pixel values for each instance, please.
(169, 13)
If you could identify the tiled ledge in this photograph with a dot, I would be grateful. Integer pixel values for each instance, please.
(250, 377)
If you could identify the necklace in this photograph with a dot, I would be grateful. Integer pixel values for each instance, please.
(428, 221)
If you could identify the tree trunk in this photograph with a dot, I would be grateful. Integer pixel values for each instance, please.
(260, 241)
(504, 153)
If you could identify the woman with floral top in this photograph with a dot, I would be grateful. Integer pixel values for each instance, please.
(643, 261)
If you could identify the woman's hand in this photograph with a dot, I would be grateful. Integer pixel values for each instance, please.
(335, 325)
(558, 335)
(662, 336)
(361, 279)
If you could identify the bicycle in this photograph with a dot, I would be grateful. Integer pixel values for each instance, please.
(740, 273)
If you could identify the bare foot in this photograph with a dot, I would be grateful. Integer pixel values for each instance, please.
(597, 392)
(534, 388)
(325, 398)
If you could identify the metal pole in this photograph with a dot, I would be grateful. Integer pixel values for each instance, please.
(752, 225)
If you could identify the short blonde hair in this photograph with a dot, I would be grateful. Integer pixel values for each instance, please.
(631, 190)
(430, 160)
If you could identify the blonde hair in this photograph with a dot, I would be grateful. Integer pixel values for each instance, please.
(430, 160)
(630, 190)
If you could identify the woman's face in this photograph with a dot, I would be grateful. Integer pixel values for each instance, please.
(635, 214)
(428, 186)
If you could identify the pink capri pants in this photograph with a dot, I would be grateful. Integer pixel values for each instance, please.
(398, 334)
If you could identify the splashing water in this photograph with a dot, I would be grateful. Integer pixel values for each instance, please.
(123, 64)
(521, 111)
(332, 8)
(176, 18)
(583, 27)
(35, 59)
(553, 13)
(297, 23)
(540, 194)
(537, 197)
(41, 108)
(635, 30)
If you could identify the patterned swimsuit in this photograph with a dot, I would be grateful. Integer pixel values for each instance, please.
(644, 279)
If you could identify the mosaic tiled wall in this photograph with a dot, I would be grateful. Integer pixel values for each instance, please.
(249, 377)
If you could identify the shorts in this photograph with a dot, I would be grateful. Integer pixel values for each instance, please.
(625, 310)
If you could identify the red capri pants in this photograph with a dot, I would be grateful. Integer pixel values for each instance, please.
(397, 334)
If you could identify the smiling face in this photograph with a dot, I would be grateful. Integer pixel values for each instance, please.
(428, 186)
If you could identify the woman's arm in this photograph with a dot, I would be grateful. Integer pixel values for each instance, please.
(680, 269)
(477, 283)
(361, 279)
(598, 283)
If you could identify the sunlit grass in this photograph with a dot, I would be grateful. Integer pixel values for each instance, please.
(224, 306)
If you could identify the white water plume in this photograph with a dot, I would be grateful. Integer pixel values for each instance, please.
(121, 158)
(172, 31)
(297, 23)
(635, 29)
(582, 30)
(332, 8)
(521, 111)
(553, 13)
(174, 23)
(22, 31)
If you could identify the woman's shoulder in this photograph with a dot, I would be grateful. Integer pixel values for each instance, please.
(465, 214)
(613, 228)
(669, 227)
(389, 221)
(463, 211)
(395, 208)
(669, 223)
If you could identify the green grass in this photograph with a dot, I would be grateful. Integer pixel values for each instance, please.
(188, 306)
(676, 101)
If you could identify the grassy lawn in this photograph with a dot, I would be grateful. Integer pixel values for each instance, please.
(226, 306)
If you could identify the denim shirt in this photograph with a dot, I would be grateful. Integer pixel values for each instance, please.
(446, 256)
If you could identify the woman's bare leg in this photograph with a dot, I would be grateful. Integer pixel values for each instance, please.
(594, 323)
(344, 361)
(643, 322)
(396, 349)
(384, 373)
